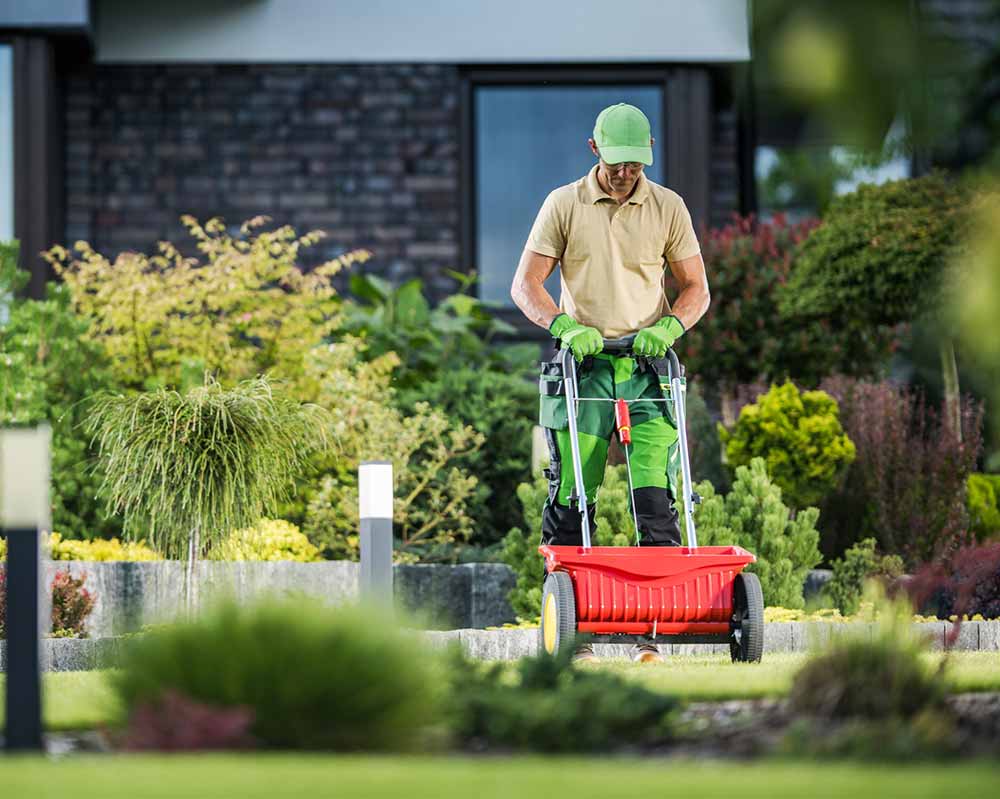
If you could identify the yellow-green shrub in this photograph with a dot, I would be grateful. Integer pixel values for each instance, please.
(270, 539)
(96, 549)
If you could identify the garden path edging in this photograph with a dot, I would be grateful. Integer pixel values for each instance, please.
(84, 654)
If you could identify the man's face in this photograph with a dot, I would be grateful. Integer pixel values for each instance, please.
(622, 177)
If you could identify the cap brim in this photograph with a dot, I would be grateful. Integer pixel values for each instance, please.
(616, 155)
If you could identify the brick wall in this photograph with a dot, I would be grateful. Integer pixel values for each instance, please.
(368, 153)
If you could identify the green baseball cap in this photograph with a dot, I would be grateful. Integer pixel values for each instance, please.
(621, 133)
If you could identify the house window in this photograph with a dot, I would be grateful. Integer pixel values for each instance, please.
(528, 141)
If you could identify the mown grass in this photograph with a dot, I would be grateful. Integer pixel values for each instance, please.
(85, 699)
(266, 776)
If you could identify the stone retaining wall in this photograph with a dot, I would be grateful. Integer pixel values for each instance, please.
(66, 654)
(130, 595)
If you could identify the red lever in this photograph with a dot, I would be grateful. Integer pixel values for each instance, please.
(623, 422)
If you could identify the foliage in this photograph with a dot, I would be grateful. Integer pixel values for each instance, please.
(743, 337)
(246, 310)
(48, 368)
(208, 461)
(881, 254)
(173, 722)
(552, 706)
(877, 678)
(431, 491)
(965, 583)
(850, 573)
(72, 604)
(430, 341)
(753, 516)
(269, 539)
(100, 549)
(704, 447)
(313, 677)
(800, 438)
(503, 408)
(803, 178)
(613, 527)
(906, 488)
(983, 502)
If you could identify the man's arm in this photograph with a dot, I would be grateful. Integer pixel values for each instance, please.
(694, 298)
(528, 289)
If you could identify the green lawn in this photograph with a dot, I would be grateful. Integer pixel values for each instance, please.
(81, 700)
(271, 775)
(716, 677)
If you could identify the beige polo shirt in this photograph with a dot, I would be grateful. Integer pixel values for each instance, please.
(612, 257)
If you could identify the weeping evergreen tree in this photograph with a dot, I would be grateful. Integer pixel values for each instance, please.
(184, 470)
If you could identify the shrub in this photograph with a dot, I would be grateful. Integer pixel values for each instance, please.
(99, 549)
(798, 434)
(269, 539)
(704, 446)
(173, 722)
(313, 677)
(983, 502)
(552, 706)
(753, 516)
(503, 408)
(612, 527)
(72, 604)
(877, 678)
(49, 367)
(967, 582)
(906, 488)
(247, 310)
(429, 510)
(743, 337)
(850, 573)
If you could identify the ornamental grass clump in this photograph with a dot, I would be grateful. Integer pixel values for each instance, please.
(186, 469)
(305, 675)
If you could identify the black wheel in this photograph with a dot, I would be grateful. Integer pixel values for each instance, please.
(558, 629)
(746, 642)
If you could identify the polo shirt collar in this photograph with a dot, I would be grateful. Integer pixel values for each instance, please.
(594, 192)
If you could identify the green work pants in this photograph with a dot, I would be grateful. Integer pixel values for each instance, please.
(653, 453)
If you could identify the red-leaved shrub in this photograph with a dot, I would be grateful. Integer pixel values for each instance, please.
(966, 583)
(906, 488)
(71, 605)
(176, 722)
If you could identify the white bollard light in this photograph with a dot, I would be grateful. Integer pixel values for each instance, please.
(24, 512)
(375, 491)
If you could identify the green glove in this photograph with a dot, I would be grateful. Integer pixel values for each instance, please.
(582, 340)
(654, 341)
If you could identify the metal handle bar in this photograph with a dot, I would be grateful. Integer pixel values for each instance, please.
(624, 345)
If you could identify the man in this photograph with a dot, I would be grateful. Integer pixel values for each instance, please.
(611, 232)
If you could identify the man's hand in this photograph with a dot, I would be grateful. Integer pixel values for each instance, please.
(654, 341)
(583, 341)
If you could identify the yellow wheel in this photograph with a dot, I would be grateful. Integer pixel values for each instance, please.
(558, 613)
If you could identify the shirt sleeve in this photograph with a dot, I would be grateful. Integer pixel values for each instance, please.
(681, 239)
(548, 234)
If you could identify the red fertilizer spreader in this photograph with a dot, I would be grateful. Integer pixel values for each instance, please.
(686, 594)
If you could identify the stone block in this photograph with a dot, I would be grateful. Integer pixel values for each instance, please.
(778, 637)
(933, 632)
(989, 636)
(965, 638)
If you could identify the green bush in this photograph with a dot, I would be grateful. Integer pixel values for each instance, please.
(269, 539)
(49, 368)
(798, 434)
(851, 572)
(613, 527)
(983, 500)
(551, 706)
(314, 677)
(503, 408)
(872, 678)
(753, 516)
(704, 446)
